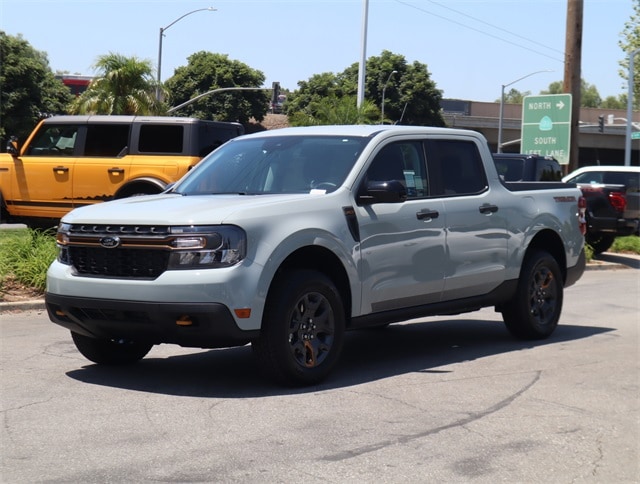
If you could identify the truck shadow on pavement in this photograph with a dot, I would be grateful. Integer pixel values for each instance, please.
(368, 355)
(623, 260)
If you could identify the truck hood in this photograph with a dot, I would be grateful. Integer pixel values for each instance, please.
(172, 209)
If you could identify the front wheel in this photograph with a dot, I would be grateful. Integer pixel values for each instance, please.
(302, 329)
(110, 352)
(534, 311)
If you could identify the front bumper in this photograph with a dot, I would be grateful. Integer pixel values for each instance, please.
(197, 325)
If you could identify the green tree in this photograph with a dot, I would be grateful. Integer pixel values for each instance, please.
(629, 43)
(207, 71)
(314, 90)
(612, 102)
(29, 90)
(336, 110)
(124, 85)
(410, 98)
(514, 96)
(590, 98)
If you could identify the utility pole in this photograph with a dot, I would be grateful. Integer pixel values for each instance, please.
(572, 72)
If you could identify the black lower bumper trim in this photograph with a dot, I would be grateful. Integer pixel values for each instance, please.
(196, 325)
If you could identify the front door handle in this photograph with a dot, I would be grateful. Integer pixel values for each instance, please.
(115, 171)
(427, 214)
(60, 169)
(488, 208)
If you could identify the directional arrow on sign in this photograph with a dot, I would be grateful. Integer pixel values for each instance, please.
(559, 104)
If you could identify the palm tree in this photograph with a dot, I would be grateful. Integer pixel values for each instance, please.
(124, 85)
(336, 110)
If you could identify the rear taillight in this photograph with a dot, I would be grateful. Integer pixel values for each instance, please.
(618, 200)
(582, 214)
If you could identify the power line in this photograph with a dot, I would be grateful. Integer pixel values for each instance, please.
(407, 4)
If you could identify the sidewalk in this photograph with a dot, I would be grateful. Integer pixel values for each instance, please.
(606, 261)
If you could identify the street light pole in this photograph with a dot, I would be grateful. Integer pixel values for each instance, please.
(627, 141)
(162, 29)
(501, 119)
(384, 88)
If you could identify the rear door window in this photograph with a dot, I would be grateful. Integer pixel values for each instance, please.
(106, 140)
(456, 166)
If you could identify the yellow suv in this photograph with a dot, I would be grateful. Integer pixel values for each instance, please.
(71, 161)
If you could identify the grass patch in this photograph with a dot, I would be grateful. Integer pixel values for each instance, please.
(626, 245)
(25, 256)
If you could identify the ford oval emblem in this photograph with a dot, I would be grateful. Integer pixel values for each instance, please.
(110, 242)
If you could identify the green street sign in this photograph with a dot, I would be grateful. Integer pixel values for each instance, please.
(546, 126)
(635, 135)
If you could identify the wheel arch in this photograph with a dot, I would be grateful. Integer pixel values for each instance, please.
(146, 185)
(549, 241)
(323, 260)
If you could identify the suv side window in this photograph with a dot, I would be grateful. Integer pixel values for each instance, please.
(54, 140)
(106, 140)
(158, 138)
(457, 167)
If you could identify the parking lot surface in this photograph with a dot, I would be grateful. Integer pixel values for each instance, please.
(449, 399)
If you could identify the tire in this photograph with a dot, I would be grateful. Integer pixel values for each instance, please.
(302, 329)
(535, 309)
(600, 242)
(109, 352)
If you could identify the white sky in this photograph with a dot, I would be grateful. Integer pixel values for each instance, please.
(471, 47)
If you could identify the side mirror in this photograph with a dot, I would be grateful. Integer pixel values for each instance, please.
(12, 146)
(383, 192)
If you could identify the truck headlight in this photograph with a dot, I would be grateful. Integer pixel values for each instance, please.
(206, 247)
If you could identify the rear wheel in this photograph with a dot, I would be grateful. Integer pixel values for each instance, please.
(534, 311)
(302, 329)
(600, 242)
(110, 352)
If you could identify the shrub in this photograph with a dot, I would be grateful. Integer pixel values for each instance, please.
(25, 256)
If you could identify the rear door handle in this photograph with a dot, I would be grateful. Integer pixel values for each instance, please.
(488, 208)
(60, 169)
(115, 171)
(427, 214)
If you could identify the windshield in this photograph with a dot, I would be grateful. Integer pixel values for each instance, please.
(281, 164)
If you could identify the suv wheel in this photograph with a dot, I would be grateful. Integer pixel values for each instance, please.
(302, 329)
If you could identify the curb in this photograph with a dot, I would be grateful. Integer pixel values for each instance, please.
(31, 305)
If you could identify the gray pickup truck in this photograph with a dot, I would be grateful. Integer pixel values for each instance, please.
(286, 239)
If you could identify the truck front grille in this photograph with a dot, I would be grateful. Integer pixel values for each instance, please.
(142, 252)
(122, 263)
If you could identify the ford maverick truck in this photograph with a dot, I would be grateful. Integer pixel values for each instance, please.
(288, 238)
(71, 161)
